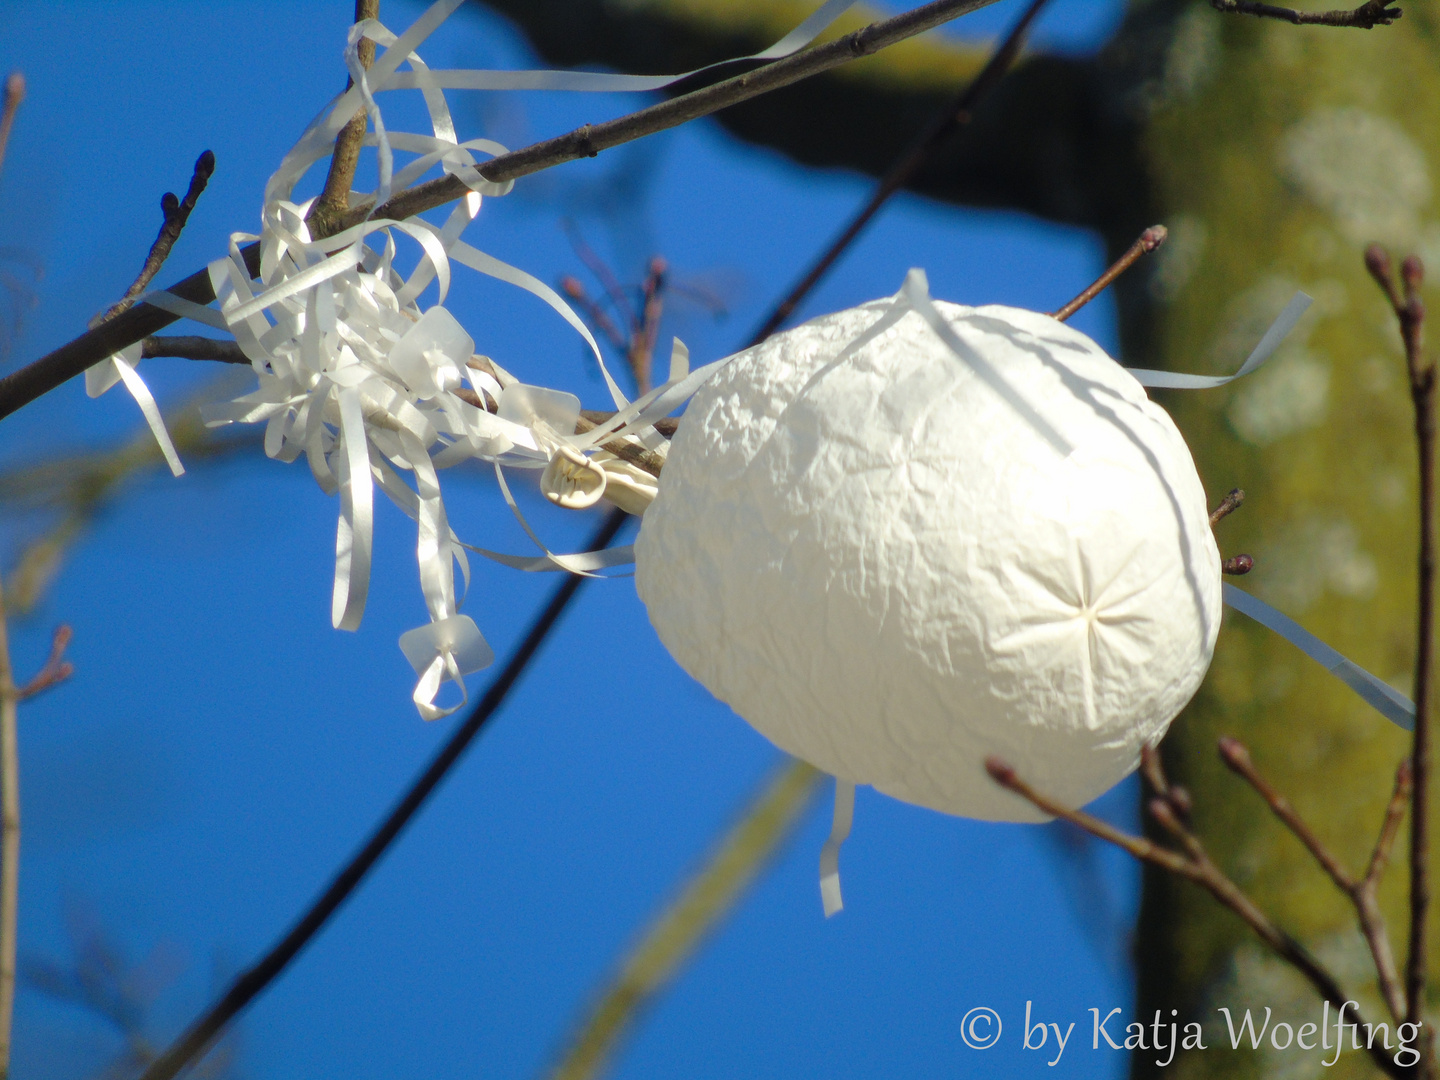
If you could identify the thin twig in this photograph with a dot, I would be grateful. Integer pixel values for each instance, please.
(1195, 865)
(9, 840)
(1410, 312)
(56, 670)
(637, 455)
(334, 199)
(1362, 891)
(573, 288)
(43, 375)
(1394, 813)
(1236, 757)
(1149, 240)
(193, 347)
(14, 95)
(676, 932)
(641, 352)
(1228, 505)
(953, 116)
(177, 213)
(603, 274)
(192, 1043)
(1367, 16)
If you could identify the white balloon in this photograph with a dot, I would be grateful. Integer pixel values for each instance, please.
(897, 559)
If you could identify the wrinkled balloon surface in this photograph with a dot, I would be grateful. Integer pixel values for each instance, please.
(894, 562)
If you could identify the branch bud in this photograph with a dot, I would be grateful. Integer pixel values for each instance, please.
(1377, 261)
(1234, 753)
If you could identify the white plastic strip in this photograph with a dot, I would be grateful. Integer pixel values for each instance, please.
(830, 853)
(1380, 696)
(916, 291)
(603, 559)
(141, 393)
(1283, 324)
(592, 82)
(186, 309)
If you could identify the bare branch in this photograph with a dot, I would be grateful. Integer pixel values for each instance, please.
(40, 377)
(14, 95)
(953, 116)
(573, 288)
(9, 841)
(1367, 16)
(192, 1043)
(192, 347)
(1194, 865)
(677, 931)
(56, 670)
(1228, 506)
(1410, 312)
(1236, 757)
(1390, 828)
(334, 199)
(1149, 240)
(177, 213)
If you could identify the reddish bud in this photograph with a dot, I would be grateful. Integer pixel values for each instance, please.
(1377, 261)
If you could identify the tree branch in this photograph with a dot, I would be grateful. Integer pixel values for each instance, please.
(1367, 16)
(951, 117)
(56, 670)
(14, 95)
(1410, 312)
(9, 841)
(1228, 505)
(30, 382)
(334, 198)
(1362, 892)
(679, 929)
(1149, 240)
(177, 213)
(193, 347)
(1169, 808)
(193, 1042)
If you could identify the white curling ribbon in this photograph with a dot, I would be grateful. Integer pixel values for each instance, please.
(121, 368)
(840, 823)
(448, 649)
(354, 531)
(355, 377)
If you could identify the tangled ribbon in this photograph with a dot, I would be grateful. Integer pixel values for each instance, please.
(355, 376)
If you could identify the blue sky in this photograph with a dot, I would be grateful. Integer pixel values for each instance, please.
(221, 749)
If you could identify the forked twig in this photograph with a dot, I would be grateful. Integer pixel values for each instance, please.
(1361, 891)
(177, 213)
(43, 375)
(334, 198)
(1410, 312)
(1367, 16)
(56, 670)
(1149, 240)
(1170, 808)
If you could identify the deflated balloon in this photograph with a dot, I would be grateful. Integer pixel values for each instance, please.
(896, 555)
